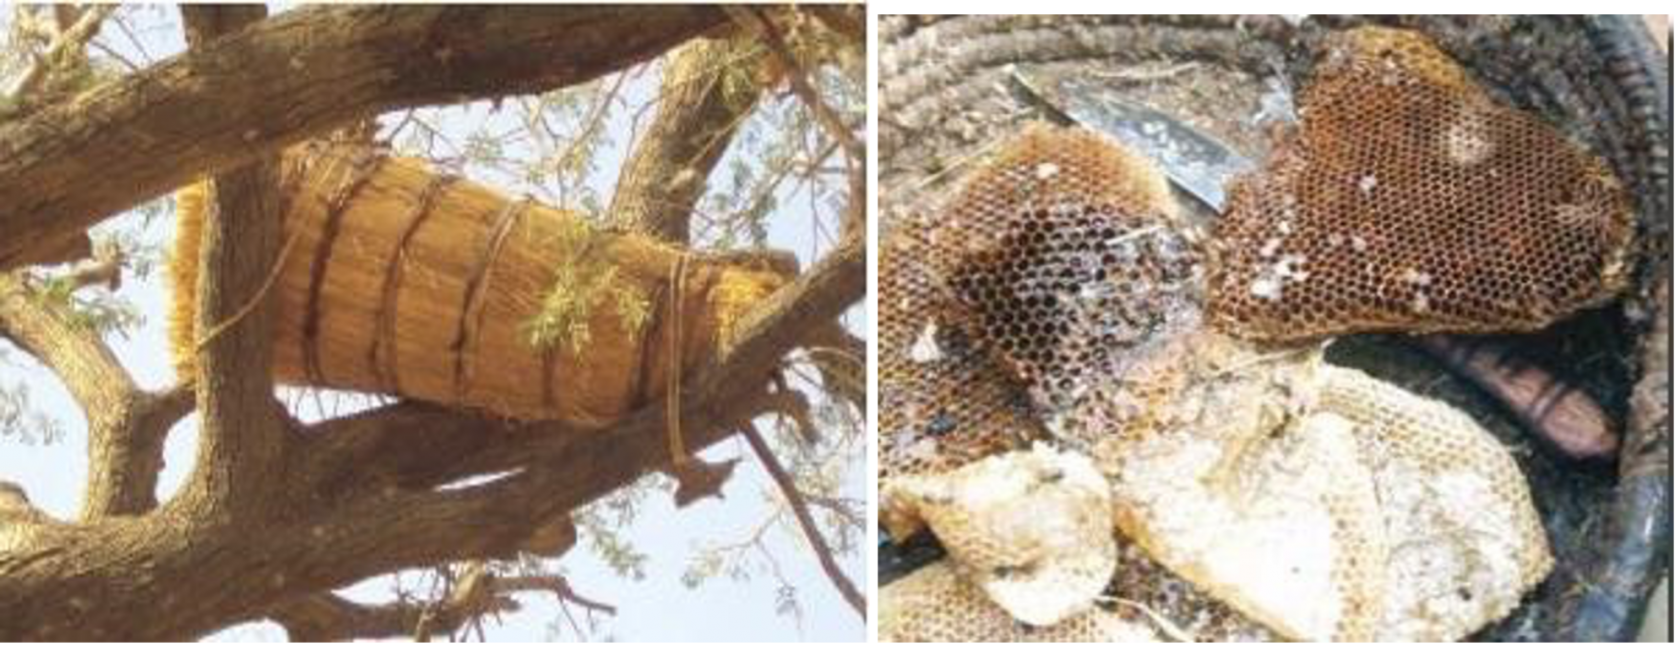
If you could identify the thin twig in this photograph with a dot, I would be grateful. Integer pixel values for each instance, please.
(122, 26)
(70, 39)
(114, 54)
(807, 523)
(592, 122)
(758, 22)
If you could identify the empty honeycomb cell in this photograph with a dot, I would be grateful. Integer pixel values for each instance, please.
(943, 404)
(1408, 200)
(1068, 256)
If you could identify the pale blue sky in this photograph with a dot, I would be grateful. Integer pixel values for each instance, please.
(657, 608)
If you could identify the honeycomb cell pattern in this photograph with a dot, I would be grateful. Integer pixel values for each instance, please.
(1408, 200)
(1067, 255)
(937, 604)
(1461, 524)
(1234, 493)
(943, 403)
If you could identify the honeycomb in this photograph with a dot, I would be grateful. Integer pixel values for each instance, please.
(1033, 528)
(936, 604)
(1315, 501)
(1325, 503)
(1465, 541)
(1408, 200)
(943, 403)
(1068, 257)
(1251, 498)
(1191, 614)
(1147, 603)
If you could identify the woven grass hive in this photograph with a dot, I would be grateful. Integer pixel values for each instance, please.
(401, 280)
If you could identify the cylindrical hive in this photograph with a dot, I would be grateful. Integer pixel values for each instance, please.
(402, 280)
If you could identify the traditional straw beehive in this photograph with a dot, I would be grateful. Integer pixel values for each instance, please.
(398, 279)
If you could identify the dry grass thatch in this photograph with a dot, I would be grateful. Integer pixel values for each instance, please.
(406, 281)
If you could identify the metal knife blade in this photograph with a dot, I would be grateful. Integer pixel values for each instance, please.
(1195, 162)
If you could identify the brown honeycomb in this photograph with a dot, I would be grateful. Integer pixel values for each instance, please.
(943, 403)
(1068, 257)
(1308, 498)
(1409, 200)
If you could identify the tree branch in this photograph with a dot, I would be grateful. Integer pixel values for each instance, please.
(808, 524)
(300, 74)
(122, 475)
(126, 425)
(71, 37)
(46, 329)
(105, 268)
(243, 435)
(477, 592)
(130, 568)
(843, 361)
(699, 114)
(14, 503)
(370, 486)
(756, 20)
(849, 20)
(760, 24)
(330, 617)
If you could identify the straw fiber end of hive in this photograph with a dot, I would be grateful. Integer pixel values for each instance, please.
(190, 205)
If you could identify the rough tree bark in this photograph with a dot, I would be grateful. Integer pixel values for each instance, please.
(126, 425)
(277, 513)
(243, 436)
(367, 486)
(298, 75)
(699, 113)
(659, 187)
